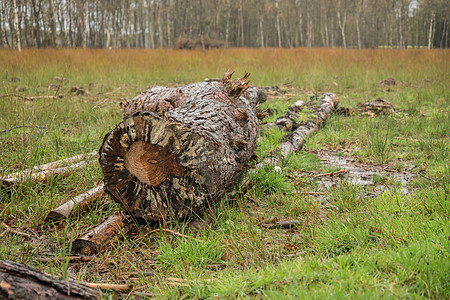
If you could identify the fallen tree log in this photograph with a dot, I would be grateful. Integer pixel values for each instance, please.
(22, 282)
(99, 238)
(301, 130)
(43, 172)
(44, 175)
(178, 149)
(76, 205)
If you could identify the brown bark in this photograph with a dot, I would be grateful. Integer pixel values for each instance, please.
(99, 238)
(76, 205)
(23, 282)
(178, 149)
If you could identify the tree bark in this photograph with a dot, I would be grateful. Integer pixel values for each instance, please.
(178, 149)
(99, 238)
(76, 205)
(23, 282)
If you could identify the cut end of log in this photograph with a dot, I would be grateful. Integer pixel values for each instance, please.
(151, 164)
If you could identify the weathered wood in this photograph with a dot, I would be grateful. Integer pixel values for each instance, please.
(178, 149)
(300, 131)
(99, 238)
(22, 282)
(76, 205)
(45, 171)
(44, 175)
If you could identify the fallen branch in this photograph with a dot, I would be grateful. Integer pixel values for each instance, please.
(309, 193)
(22, 282)
(8, 229)
(331, 173)
(100, 237)
(76, 205)
(43, 175)
(31, 98)
(295, 140)
(176, 233)
(108, 286)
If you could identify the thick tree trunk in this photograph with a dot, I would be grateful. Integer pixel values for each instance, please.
(22, 282)
(178, 149)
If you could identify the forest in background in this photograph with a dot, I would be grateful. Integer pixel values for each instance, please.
(186, 24)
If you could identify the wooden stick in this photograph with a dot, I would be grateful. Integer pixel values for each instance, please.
(108, 286)
(77, 205)
(309, 193)
(331, 173)
(10, 230)
(101, 237)
(44, 175)
(176, 233)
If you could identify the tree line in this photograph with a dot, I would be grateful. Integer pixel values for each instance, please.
(224, 23)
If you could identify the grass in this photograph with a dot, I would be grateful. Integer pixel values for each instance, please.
(353, 241)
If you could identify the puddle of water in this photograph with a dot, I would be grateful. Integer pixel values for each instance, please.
(362, 174)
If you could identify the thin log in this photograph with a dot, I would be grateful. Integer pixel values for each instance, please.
(99, 238)
(44, 175)
(178, 149)
(77, 205)
(295, 140)
(56, 166)
(22, 282)
(8, 229)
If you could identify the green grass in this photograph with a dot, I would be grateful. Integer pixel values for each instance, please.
(353, 241)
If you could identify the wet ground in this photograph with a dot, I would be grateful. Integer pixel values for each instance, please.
(379, 177)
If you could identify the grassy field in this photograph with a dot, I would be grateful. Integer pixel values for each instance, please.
(384, 239)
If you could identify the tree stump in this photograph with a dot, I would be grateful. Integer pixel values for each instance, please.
(178, 149)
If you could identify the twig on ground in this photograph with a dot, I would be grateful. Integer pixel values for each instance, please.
(331, 173)
(434, 181)
(8, 229)
(309, 193)
(108, 286)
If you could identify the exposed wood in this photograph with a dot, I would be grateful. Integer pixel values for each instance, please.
(44, 175)
(99, 238)
(178, 149)
(295, 140)
(108, 286)
(45, 171)
(23, 282)
(76, 205)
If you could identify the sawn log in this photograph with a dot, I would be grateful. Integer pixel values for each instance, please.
(178, 149)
